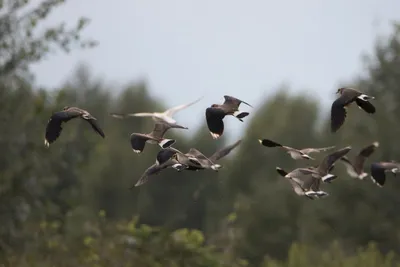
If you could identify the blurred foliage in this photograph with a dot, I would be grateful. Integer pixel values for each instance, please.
(243, 215)
(25, 40)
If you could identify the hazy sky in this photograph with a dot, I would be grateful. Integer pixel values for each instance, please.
(185, 49)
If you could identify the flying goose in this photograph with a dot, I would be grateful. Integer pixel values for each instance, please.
(326, 165)
(293, 152)
(303, 183)
(139, 140)
(217, 112)
(348, 96)
(355, 168)
(379, 169)
(209, 162)
(165, 158)
(53, 128)
(165, 116)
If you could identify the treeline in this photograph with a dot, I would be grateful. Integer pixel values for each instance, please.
(50, 198)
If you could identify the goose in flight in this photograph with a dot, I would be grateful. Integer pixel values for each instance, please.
(210, 162)
(167, 158)
(355, 168)
(326, 165)
(54, 124)
(347, 97)
(293, 152)
(139, 140)
(303, 183)
(173, 158)
(217, 112)
(166, 116)
(379, 169)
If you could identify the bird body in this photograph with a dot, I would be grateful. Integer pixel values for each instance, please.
(217, 112)
(160, 117)
(355, 168)
(54, 124)
(378, 170)
(139, 140)
(327, 163)
(347, 97)
(303, 183)
(293, 152)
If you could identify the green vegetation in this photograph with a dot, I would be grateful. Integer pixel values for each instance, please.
(50, 198)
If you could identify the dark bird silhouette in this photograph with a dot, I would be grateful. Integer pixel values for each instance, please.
(347, 97)
(293, 152)
(355, 168)
(217, 112)
(54, 125)
(379, 169)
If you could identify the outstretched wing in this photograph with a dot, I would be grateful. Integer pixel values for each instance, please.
(363, 155)
(170, 112)
(330, 159)
(224, 151)
(316, 150)
(215, 124)
(366, 106)
(96, 127)
(151, 171)
(53, 127)
(233, 101)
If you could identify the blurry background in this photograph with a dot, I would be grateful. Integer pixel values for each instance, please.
(69, 205)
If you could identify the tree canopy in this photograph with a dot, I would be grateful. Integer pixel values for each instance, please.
(71, 204)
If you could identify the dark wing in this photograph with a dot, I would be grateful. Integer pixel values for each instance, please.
(281, 171)
(214, 117)
(164, 155)
(363, 155)
(269, 143)
(378, 175)
(138, 141)
(233, 101)
(224, 151)
(96, 127)
(378, 170)
(53, 128)
(366, 106)
(338, 111)
(330, 159)
(152, 170)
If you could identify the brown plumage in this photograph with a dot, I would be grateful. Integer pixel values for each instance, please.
(326, 165)
(139, 140)
(217, 112)
(348, 96)
(293, 152)
(303, 183)
(355, 168)
(54, 125)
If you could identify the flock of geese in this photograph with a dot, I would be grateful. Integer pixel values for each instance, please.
(304, 181)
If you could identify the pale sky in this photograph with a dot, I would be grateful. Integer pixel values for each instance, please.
(185, 49)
